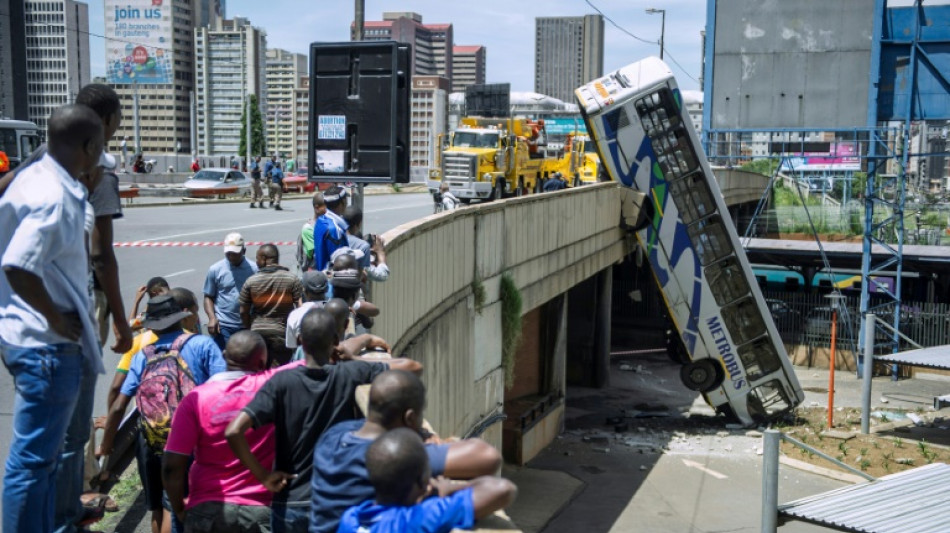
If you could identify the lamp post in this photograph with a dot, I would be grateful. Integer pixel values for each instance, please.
(662, 12)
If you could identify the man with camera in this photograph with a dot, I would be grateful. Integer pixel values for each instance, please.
(373, 261)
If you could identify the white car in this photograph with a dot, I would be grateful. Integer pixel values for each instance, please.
(218, 182)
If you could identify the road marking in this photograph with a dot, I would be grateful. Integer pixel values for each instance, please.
(178, 273)
(698, 466)
(264, 224)
(193, 244)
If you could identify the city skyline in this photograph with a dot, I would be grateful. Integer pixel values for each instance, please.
(494, 26)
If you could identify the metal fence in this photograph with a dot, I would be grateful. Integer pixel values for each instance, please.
(806, 319)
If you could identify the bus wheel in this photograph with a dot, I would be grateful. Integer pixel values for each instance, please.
(498, 191)
(702, 375)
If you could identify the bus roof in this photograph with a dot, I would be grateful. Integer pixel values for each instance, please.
(18, 124)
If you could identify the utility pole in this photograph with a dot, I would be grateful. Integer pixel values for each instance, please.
(358, 36)
(135, 116)
(247, 129)
(662, 13)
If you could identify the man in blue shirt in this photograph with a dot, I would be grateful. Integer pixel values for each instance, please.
(203, 358)
(275, 186)
(48, 334)
(399, 470)
(329, 231)
(396, 399)
(268, 167)
(222, 289)
(257, 195)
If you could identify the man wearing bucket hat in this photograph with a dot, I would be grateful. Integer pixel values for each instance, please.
(222, 289)
(329, 231)
(201, 357)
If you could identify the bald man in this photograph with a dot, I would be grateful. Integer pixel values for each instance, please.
(222, 493)
(302, 403)
(46, 314)
(397, 399)
(267, 299)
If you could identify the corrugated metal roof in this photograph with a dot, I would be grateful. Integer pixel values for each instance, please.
(933, 357)
(914, 501)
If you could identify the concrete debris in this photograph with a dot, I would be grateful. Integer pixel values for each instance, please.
(904, 461)
(722, 434)
(754, 434)
(915, 419)
(884, 400)
(814, 404)
(642, 468)
(838, 434)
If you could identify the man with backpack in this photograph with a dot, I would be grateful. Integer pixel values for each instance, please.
(159, 377)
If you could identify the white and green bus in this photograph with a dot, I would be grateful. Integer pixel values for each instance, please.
(18, 139)
(646, 141)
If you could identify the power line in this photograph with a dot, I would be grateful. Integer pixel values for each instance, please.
(642, 40)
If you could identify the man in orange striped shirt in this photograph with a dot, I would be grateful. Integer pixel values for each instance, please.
(267, 299)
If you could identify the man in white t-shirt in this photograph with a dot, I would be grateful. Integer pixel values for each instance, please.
(315, 296)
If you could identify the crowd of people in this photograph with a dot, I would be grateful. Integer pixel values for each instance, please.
(249, 422)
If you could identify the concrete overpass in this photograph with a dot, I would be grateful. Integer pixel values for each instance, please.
(458, 278)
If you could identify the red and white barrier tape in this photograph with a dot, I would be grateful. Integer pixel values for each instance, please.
(190, 244)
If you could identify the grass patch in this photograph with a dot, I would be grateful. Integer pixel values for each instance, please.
(511, 303)
(124, 493)
(478, 291)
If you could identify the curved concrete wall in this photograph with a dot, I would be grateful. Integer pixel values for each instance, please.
(548, 243)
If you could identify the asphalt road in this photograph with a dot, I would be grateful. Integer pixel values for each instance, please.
(187, 266)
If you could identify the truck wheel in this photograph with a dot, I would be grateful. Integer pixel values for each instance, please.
(702, 375)
(498, 192)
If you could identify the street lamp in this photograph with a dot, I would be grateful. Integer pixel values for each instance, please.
(662, 12)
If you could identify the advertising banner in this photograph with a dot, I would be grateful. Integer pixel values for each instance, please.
(842, 156)
(138, 41)
(565, 125)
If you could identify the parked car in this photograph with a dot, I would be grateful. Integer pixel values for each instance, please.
(218, 182)
(298, 182)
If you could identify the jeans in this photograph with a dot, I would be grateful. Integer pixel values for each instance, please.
(47, 381)
(221, 339)
(210, 517)
(69, 473)
(292, 518)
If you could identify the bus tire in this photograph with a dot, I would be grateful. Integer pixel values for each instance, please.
(702, 375)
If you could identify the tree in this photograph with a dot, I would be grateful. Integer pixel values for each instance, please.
(258, 141)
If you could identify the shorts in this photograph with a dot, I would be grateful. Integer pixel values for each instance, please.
(150, 472)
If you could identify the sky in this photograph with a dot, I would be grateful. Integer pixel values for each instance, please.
(506, 31)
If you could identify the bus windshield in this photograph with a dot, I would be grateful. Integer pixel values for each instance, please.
(8, 142)
(471, 139)
(29, 143)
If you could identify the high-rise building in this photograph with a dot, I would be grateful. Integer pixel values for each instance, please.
(429, 108)
(13, 91)
(568, 52)
(283, 72)
(431, 43)
(302, 121)
(57, 55)
(229, 66)
(468, 67)
(150, 60)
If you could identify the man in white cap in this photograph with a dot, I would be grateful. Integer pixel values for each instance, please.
(222, 289)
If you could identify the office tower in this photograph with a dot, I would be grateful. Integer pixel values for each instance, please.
(302, 121)
(13, 91)
(468, 67)
(568, 52)
(283, 71)
(229, 66)
(429, 110)
(431, 43)
(57, 55)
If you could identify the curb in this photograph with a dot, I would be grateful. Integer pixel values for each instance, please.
(182, 200)
(820, 470)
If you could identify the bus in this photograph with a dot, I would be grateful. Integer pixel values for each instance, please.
(646, 141)
(18, 139)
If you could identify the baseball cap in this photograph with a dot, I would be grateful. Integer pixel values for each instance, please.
(234, 242)
(107, 161)
(314, 281)
(162, 312)
(346, 279)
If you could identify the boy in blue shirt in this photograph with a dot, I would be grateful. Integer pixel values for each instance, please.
(396, 399)
(399, 470)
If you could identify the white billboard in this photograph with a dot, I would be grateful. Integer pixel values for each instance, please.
(139, 41)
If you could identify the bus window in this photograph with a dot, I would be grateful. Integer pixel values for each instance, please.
(759, 358)
(28, 143)
(692, 197)
(710, 240)
(744, 321)
(767, 400)
(727, 281)
(8, 142)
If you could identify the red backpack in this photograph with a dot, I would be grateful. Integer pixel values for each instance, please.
(165, 381)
